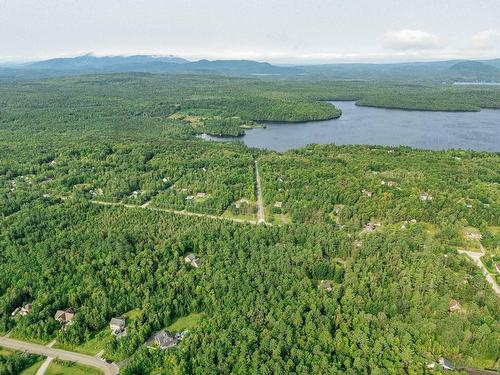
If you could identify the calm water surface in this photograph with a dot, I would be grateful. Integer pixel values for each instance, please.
(389, 127)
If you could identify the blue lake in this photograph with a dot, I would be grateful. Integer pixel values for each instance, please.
(378, 126)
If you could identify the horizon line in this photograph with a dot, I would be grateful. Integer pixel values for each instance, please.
(312, 59)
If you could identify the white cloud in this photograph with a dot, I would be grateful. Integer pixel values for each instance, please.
(487, 39)
(407, 39)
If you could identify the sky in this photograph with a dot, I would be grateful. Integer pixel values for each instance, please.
(280, 31)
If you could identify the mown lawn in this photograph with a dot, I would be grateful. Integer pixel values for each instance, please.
(92, 346)
(32, 369)
(58, 367)
(188, 322)
(5, 351)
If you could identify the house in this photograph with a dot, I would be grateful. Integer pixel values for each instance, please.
(25, 309)
(201, 195)
(358, 243)
(371, 226)
(454, 306)
(189, 197)
(367, 193)
(497, 267)
(425, 197)
(162, 340)
(337, 208)
(193, 260)
(278, 204)
(241, 201)
(445, 364)
(65, 316)
(326, 285)
(391, 183)
(469, 206)
(117, 325)
(473, 235)
(430, 365)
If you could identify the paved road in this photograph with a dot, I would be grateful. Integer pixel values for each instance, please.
(260, 202)
(44, 366)
(106, 368)
(476, 258)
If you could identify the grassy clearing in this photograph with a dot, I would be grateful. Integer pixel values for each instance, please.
(188, 322)
(468, 243)
(5, 351)
(16, 335)
(248, 217)
(90, 347)
(58, 367)
(32, 369)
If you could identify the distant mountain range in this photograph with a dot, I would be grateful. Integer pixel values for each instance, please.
(448, 71)
(88, 64)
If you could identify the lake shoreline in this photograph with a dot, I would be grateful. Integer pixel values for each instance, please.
(373, 125)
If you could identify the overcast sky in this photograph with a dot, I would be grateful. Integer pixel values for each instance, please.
(273, 30)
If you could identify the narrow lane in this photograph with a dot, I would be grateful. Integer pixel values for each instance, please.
(260, 202)
(476, 258)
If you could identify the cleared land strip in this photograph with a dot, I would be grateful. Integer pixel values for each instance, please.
(177, 212)
(260, 202)
(106, 368)
(476, 258)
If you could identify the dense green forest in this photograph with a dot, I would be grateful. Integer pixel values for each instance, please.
(131, 140)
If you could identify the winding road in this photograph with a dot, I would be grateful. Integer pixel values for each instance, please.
(476, 258)
(106, 368)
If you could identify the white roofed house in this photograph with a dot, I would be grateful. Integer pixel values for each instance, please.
(25, 309)
(192, 260)
(425, 197)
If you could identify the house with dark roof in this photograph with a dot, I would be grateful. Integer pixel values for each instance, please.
(65, 316)
(446, 364)
(162, 340)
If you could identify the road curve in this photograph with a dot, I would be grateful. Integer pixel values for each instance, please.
(476, 258)
(106, 368)
(260, 202)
